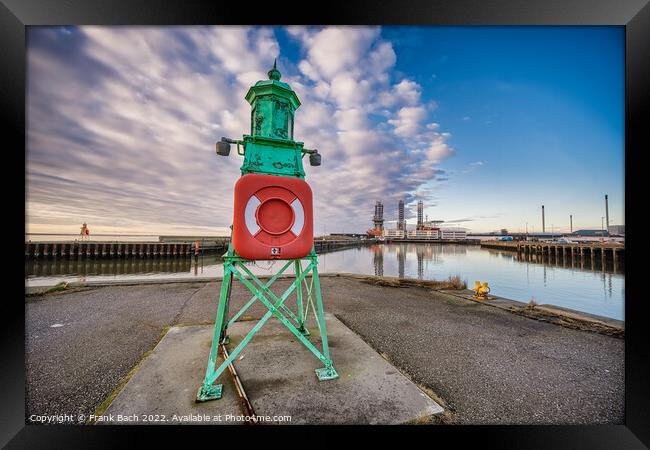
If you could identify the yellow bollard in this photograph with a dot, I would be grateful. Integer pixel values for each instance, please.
(481, 291)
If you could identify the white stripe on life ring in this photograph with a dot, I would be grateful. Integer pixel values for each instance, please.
(299, 217)
(249, 215)
(253, 226)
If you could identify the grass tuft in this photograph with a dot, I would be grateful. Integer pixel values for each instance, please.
(455, 282)
(451, 283)
(62, 286)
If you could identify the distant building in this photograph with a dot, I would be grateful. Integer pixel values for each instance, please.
(401, 223)
(423, 234)
(431, 224)
(590, 233)
(453, 233)
(394, 233)
(616, 230)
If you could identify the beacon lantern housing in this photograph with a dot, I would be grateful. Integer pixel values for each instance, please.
(272, 220)
(273, 216)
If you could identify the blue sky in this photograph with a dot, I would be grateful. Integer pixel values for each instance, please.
(483, 124)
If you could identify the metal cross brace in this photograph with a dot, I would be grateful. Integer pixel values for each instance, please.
(276, 307)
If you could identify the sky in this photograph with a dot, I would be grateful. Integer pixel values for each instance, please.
(483, 124)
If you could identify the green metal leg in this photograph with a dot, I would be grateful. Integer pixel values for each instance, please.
(265, 288)
(275, 307)
(254, 298)
(301, 317)
(276, 311)
(207, 391)
(327, 372)
(225, 339)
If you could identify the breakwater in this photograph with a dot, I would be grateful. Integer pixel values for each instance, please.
(169, 249)
(600, 291)
(602, 253)
(73, 250)
(431, 241)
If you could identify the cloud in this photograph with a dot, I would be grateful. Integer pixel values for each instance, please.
(122, 122)
(474, 218)
(335, 50)
(471, 167)
(406, 92)
(408, 121)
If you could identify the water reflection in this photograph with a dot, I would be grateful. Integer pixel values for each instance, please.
(378, 259)
(425, 255)
(585, 285)
(132, 266)
(401, 259)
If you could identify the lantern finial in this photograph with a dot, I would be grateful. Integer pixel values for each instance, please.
(274, 74)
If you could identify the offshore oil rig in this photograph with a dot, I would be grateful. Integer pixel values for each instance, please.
(425, 229)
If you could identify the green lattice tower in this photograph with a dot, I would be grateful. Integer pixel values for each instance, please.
(269, 149)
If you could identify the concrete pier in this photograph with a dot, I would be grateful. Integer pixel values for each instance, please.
(169, 248)
(596, 254)
(76, 250)
(369, 389)
(485, 364)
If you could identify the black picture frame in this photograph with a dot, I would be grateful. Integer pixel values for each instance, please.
(634, 15)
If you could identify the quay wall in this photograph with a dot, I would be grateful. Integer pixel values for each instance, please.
(170, 249)
(431, 241)
(592, 251)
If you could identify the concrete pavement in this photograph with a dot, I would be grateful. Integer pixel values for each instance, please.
(485, 365)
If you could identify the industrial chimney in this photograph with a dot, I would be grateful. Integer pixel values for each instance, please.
(606, 213)
(543, 225)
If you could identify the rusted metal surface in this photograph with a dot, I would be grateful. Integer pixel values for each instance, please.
(246, 404)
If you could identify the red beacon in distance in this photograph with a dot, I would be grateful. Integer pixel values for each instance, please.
(273, 217)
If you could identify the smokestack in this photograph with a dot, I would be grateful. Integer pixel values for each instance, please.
(543, 225)
(571, 222)
(606, 213)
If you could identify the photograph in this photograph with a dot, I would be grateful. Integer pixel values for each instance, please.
(336, 224)
(328, 224)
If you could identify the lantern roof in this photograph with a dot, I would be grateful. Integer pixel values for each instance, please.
(273, 86)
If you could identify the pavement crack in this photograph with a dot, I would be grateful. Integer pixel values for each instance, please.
(175, 320)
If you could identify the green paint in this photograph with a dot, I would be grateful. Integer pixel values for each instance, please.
(234, 266)
(269, 149)
(272, 156)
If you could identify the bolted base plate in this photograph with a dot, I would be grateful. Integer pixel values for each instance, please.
(326, 373)
(207, 393)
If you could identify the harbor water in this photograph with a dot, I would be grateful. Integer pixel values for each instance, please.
(594, 290)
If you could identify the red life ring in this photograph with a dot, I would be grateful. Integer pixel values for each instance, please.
(272, 217)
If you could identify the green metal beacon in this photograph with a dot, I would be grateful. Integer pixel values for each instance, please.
(272, 220)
